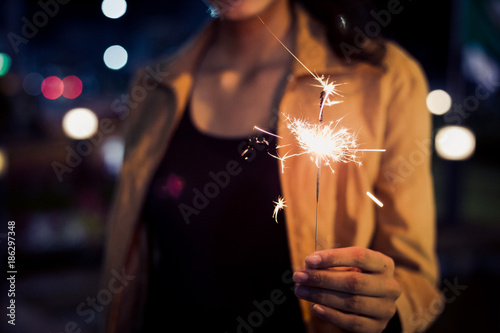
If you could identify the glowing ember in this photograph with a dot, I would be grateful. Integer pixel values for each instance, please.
(328, 89)
(377, 201)
(280, 204)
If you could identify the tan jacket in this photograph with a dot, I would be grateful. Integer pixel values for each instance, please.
(385, 108)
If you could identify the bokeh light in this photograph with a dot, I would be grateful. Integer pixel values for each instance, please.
(72, 86)
(114, 9)
(455, 143)
(52, 87)
(5, 63)
(479, 66)
(115, 57)
(3, 162)
(32, 84)
(112, 153)
(438, 102)
(80, 123)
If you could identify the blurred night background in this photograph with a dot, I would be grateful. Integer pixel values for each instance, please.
(61, 215)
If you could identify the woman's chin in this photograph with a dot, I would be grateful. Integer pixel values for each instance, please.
(236, 10)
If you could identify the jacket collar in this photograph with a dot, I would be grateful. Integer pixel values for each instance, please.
(186, 59)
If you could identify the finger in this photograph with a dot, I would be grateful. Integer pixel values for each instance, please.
(347, 321)
(362, 258)
(373, 307)
(351, 282)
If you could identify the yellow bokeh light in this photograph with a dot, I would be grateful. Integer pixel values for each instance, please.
(3, 162)
(80, 123)
(455, 143)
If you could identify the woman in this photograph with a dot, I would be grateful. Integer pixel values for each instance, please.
(191, 226)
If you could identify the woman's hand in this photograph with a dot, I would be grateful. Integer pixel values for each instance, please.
(353, 288)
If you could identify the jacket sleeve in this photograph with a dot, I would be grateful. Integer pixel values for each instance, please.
(405, 228)
(148, 119)
(122, 238)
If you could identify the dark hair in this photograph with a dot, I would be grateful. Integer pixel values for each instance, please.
(343, 21)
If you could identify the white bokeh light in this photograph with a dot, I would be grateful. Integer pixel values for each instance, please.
(115, 57)
(114, 9)
(80, 123)
(455, 143)
(112, 152)
(438, 102)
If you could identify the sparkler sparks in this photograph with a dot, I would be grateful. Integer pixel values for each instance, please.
(325, 143)
(377, 201)
(329, 88)
(280, 204)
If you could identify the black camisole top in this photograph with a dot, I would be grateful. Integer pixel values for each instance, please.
(219, 261)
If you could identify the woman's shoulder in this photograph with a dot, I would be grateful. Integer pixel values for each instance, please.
(398, 61)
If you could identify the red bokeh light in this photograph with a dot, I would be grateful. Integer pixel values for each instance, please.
(72, 87)
(52, 87)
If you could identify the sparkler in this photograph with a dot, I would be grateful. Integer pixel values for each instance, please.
(324, 142)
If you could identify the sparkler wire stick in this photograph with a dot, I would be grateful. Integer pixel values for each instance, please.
(318, 176)
(318, 168)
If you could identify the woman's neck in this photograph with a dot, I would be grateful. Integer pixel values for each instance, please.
(248, 41)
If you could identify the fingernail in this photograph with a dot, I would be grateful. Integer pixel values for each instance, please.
(313, 260)
(300, 277)
(302, 291)
(318, 309)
